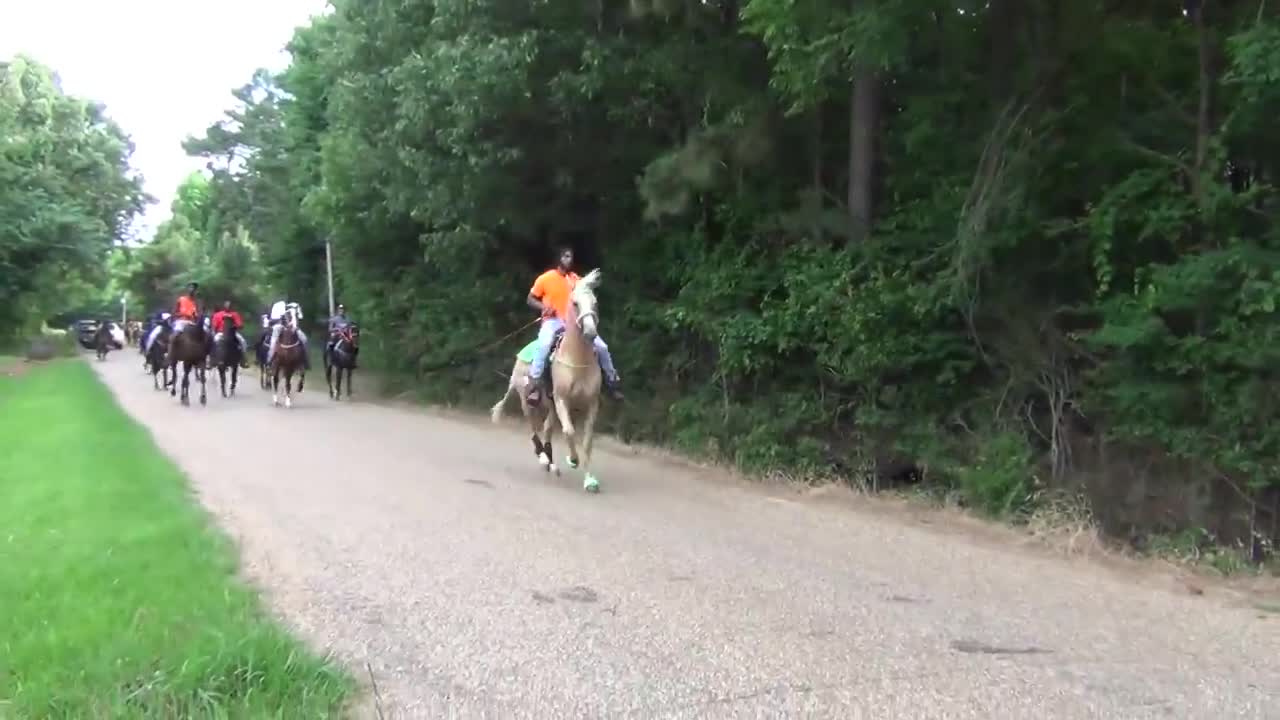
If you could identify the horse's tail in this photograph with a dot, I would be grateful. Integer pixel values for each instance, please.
(495, 413)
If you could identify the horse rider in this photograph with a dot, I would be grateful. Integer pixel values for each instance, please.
(290, 312)
(337, 323)
(220, 320)
(184, 314)
(550, 296)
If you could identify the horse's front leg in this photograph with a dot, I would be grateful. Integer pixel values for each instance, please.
(222, 380)
(288, 389)
(563, 412)
(275, 386)
(202, 376)
(348, 383)
(235, 376)
(328, 378)
(589, 483)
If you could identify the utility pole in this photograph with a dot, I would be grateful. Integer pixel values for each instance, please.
(328, 262)
(124, 318)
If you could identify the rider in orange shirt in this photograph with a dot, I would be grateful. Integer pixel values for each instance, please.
(550, 296)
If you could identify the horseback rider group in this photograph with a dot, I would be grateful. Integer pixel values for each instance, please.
(550, 296)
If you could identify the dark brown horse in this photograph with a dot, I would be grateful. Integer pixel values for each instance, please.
(341, 356)
(288, 359)
(102, 341)
(190, 346)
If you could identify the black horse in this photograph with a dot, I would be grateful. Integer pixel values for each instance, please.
(227, 355)
(341, 354)
(260, 349)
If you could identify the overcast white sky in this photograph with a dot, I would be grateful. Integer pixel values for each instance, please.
(164, 68)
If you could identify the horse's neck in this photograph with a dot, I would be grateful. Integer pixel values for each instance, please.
(574, 346)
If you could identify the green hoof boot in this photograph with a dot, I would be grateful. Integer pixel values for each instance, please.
(571, 461)
(591, 484)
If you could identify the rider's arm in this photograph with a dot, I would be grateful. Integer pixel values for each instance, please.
(536, 293)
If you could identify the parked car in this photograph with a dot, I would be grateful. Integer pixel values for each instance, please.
(87, 330)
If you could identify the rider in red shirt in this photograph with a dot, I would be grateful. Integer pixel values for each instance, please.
(224, 317)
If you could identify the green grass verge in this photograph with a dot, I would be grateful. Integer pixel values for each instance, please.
(117, 597)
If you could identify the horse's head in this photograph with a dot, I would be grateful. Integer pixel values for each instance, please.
(350, 334)
(584, 304)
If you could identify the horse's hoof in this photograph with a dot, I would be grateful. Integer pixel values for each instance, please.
(203, 400)
(288, 402)
(555, 469)
(275, 400)
(544, 461)
(591, 484)
(571, 461)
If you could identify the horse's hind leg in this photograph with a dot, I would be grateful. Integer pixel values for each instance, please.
(549, 432)
(328, 377)
(288, 389)
(202, 376)
(235, 376)
(275, 386)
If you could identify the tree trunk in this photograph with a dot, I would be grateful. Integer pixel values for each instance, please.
(1204, 109)
(863, 120)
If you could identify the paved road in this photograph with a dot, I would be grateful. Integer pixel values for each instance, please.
(434, 553)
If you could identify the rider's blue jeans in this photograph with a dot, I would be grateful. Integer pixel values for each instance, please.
(547, 333)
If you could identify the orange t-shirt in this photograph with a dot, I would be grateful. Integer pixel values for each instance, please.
(185, 308)
(553, 290)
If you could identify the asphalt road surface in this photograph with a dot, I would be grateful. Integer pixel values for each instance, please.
(436, 559)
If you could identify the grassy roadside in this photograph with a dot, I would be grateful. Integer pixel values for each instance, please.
(117, 598)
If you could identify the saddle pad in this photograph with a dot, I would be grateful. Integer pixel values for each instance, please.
(526, 354)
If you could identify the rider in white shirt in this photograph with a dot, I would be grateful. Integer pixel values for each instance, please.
(279, 311)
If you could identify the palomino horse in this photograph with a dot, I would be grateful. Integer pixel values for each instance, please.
(227, 355)
(575, 386)
(288, 358)
(132, 331)
(340, 357)
(191, 348)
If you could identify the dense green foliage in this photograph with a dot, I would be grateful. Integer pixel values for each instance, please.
(119, 600)
(1019, 243)
(67, 200)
